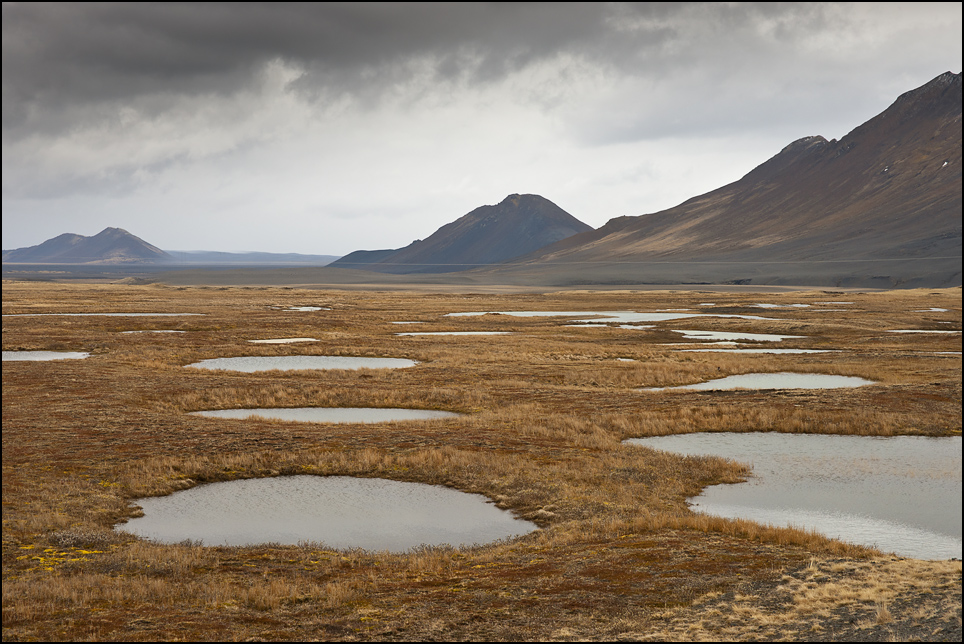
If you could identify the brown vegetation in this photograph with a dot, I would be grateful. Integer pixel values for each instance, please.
(545, 409)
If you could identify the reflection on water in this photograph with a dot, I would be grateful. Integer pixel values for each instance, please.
(290, 363)
(331, 414)
(340, 511)
(901, 494)
(283, 340)
(782, 380)
(22, 356)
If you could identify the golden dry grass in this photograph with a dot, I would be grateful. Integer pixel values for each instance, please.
(544, 412)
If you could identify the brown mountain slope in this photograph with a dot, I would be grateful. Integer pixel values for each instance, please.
(518, 225)
(110, 246)
(889, 191)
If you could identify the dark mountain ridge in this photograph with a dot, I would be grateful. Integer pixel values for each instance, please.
(518, 225)
(110, 246)
(888, 191)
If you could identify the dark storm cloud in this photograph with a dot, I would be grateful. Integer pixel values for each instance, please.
(65, 64)
(60, 57)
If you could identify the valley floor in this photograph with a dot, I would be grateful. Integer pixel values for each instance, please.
(544, 410)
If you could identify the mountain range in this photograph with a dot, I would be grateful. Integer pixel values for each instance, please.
(881, 207)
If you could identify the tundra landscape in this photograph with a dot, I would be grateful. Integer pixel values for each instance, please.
(543, 410)
(681, 360)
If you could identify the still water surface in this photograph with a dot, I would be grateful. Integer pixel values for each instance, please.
(901, 494)
(782, 380)
(19, 356)
(340, 511)
(290, 363)
(331, 414)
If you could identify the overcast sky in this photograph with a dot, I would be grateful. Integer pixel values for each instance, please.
(328, 128)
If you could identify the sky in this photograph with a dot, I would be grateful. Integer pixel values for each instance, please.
(328, 128)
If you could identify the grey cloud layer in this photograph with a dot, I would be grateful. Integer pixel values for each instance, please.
(142, 110)
(60, 56)
(65, 62)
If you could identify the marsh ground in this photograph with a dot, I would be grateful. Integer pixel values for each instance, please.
(619, 556)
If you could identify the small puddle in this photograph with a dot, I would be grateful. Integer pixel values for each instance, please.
(782, 380)
(782, 306)
(24, 315)
(455, 333)
(901, 494)
(330, 414)
(339, 511)
(590, 325)
(154, 331)
(34, 356)
(734, 335)
(250, 364)
(283, 340)
(722, 350)
(625, 317)
(920, 331)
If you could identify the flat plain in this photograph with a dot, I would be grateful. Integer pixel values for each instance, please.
(544, 410)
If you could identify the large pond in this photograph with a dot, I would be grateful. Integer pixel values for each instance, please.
(782, 380)
(339, 511)
(292, 363)
(331, 414)
(18, 356)
(901, 494)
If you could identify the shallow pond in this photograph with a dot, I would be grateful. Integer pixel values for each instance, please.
(331, 414)
(901, 494)
(782, 380)
(455, 333)
(755, 350)
(625, 317)
(781, 306)
(159, 315)
(21, 356)
(290, 363)
(340, 511)
(734, 335)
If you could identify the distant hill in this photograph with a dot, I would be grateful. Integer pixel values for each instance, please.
(882, 206)
(115, 246)
(110, 246)
(518, 225)
(201, 257)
